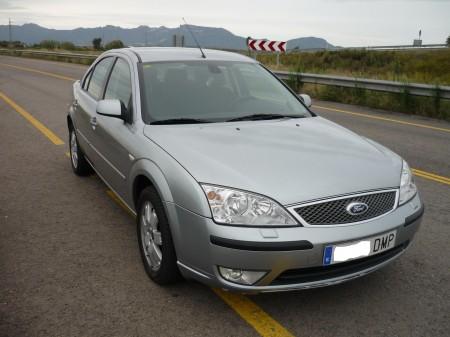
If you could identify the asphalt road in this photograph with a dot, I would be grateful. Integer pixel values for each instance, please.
(70, 266)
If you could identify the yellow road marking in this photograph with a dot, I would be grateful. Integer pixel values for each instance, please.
(61, 77)
(38, 125)
(431, 176)
(114, 197)
(257, 318)
(384, 119)
(265, 325)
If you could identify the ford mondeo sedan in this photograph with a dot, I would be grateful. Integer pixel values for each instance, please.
(234, 181)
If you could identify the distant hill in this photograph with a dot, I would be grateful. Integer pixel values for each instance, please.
(210, 37)
(309, 43)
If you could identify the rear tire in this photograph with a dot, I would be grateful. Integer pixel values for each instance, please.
(155, 239)
(79, 164)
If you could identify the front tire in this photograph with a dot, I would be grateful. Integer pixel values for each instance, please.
(79, 164)
(155, 239)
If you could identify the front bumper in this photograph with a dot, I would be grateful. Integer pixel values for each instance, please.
(292, 256)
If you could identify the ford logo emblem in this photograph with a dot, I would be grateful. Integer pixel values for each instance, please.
(356, 208)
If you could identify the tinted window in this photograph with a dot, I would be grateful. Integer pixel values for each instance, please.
(119, 84)
(214, 91)
(98, 77)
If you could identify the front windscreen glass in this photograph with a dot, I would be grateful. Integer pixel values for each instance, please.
(211, 91)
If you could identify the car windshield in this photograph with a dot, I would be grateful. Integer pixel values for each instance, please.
(213, 91)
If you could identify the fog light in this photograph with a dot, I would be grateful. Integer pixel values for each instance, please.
(241, 276)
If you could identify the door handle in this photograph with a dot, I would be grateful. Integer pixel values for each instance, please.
(93, 122)
(75, 104)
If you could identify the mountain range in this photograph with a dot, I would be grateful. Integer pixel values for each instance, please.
(208, 37)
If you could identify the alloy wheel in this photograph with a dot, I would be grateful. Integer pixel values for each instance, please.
(151, 240)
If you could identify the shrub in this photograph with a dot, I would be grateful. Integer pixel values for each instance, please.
(66, 45)
(14, 44)
(114, 44)
(49, 44)
(401, 102)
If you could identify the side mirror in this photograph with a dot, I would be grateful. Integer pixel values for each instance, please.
(112, 108)
(306, 99)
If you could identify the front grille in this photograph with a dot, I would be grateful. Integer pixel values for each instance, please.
(320, 273)
(334, 212)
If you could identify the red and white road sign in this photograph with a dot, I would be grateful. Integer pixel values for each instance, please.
(265, 45)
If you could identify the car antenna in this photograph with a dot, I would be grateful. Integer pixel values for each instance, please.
(193, 36)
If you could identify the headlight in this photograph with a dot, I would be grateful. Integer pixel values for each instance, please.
(229, 206)
(408, 188)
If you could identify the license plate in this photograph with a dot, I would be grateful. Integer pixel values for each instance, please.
(358, 249)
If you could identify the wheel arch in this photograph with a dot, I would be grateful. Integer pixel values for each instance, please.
(147, 173)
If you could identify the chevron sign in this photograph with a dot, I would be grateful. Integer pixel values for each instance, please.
(265, 45)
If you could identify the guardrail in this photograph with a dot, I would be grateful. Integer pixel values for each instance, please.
(19, 52)
(416, 89)
(404, 47)
(374, 48)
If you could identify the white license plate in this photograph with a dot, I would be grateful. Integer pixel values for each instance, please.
(358, 249)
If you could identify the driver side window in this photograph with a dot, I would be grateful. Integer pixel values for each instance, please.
(119, 83)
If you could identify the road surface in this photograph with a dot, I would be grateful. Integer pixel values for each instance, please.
(70, 264)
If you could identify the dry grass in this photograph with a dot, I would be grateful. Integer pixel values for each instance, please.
(423, 66)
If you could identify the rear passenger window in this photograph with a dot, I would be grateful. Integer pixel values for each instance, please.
(119, 84)
(98, 77)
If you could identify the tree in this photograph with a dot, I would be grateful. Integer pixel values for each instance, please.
(448, 41)
(97, 43)
(114, 44)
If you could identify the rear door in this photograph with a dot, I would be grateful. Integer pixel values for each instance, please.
(86, 104)
(112, 136)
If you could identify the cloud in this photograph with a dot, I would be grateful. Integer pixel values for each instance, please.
(7, 5)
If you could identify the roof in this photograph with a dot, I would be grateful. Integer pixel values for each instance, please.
(153, 54)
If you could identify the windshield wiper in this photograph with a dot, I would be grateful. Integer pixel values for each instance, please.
(257, 117)
(180, 121)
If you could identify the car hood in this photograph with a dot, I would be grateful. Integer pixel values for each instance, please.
(291, 161)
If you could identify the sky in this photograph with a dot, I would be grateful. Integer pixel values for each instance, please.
(341, 22)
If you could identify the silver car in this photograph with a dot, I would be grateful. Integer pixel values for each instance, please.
(233, 180)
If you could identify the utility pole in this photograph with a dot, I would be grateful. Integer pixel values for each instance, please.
(10, 33)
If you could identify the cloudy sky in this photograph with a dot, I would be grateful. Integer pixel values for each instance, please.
(341, 22)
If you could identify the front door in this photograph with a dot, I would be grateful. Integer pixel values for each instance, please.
(85, 117)
(113, 137)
